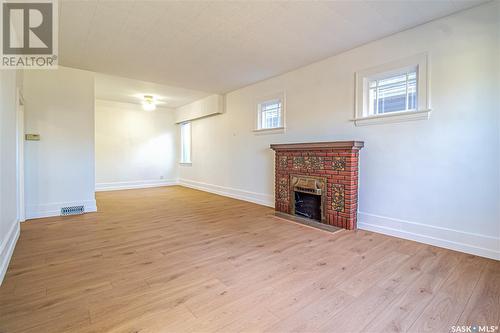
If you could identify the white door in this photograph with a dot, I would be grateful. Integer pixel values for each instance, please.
(20, 158)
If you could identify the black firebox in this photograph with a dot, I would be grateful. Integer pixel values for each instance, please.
(308, 205)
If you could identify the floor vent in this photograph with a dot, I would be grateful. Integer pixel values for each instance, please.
(74, 210)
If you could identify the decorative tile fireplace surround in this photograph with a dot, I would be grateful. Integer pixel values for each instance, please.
(318, 173)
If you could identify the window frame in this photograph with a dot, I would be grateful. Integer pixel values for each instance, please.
(258, 119)
(188, 161)
(362, 78)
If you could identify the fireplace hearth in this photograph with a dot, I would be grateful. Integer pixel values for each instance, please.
(318, 181)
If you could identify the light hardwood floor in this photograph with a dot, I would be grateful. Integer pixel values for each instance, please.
(173, 259)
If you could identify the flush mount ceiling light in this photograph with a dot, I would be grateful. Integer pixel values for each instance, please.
(148, 103)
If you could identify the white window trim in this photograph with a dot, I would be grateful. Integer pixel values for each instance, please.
(182, 162)
(423, 102)
(275, 130)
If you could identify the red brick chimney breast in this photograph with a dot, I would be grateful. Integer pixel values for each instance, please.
(337, 162)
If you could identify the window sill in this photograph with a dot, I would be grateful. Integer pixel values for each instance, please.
(394, 117)
(186, 163)
(276, 130)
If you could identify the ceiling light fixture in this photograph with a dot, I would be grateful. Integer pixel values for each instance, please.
(148, 103)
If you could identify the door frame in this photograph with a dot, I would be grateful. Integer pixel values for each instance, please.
(21, 209)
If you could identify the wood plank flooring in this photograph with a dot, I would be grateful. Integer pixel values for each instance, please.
(173, 259)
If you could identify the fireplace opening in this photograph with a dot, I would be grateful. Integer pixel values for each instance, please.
(308, 205)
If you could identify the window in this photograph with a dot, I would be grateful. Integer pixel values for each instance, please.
(270, 114)
(393, 92)
(186, 143)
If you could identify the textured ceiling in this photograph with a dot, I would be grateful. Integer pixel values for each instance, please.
(114, 88)
(219, 46)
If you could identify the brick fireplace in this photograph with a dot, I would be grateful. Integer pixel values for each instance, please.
(318, 181)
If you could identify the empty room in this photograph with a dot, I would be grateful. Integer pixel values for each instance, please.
(249, 166)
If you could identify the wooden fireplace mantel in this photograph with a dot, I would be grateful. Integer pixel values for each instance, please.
(319, 145)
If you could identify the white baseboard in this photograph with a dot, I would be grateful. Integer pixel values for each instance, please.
(7, 248)
(54, 209)
(115, 186)
(477, 244)
(258, 198)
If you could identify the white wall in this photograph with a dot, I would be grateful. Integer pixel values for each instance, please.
(435, 181)
(10, 81)
(60, 168)
(134, 148)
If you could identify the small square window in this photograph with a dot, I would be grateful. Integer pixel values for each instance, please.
(270, 114)
(393, 92)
